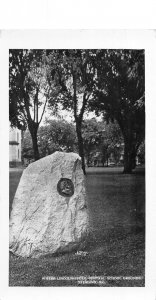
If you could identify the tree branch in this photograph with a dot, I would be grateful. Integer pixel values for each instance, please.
(24, 115)
(44, 109)
(75, 97)
(34, 109)
(85, 99)
(26, 103)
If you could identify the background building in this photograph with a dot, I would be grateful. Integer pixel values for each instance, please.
(14, 147)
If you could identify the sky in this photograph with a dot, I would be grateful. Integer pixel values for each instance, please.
(67, 115)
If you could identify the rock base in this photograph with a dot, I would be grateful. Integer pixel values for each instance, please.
(49, 212)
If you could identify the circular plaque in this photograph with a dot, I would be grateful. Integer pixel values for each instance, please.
(65, 187)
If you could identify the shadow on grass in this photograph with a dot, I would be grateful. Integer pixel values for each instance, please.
(119, 255)
(114, 171)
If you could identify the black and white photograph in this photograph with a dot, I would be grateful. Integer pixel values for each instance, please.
(77, 159)
(77, 167)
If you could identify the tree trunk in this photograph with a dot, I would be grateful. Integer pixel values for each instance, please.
(22, 138)
(107, 161)
(35, 147)
(80, 146)
(33, 131)
(129, 157)
(88, 159)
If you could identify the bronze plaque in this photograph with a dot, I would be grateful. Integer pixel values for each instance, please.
(65, 187)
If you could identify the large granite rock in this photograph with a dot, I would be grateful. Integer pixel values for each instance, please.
(49, 212)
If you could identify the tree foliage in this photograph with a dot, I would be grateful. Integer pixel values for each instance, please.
(55, 135)
(120, 96)
(141, 153)
(110, 82)
(28, 90)
(74, 73)
(102, 137)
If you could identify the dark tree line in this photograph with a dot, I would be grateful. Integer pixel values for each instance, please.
(108, 82)
(120, 95)
(60, 135)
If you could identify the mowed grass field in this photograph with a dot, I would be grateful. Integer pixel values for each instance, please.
(115, 246)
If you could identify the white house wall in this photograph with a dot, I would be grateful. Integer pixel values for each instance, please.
(14, 149)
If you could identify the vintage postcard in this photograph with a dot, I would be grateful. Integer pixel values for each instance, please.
(77, 202)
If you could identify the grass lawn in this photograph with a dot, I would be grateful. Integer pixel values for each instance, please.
(115, 247)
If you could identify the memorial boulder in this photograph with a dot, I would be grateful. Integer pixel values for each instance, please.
(49, 212)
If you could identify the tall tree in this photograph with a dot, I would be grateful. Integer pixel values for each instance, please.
(120, 95)
(73, 71)
(28, 91)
